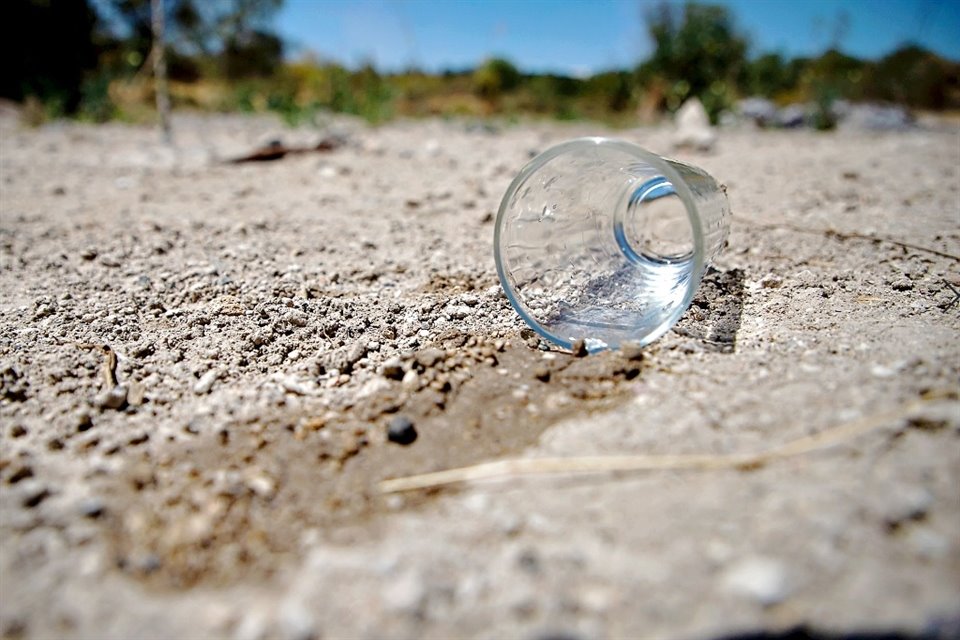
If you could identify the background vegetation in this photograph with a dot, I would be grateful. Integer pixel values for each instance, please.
(71, 57)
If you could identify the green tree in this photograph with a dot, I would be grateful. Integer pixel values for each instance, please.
(769, 75)
(234, 35)
(698, 51)
(48, 48)
(914, 76)
(495, 77)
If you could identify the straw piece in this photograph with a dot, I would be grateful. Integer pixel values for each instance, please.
(595, 464)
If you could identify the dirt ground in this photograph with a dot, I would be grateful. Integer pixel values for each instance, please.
(200, 361)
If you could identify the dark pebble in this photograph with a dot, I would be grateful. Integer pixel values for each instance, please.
(542, 373)
(35, 496)
(22, 473)
(393, 370)
(401, 430)
(18, 431)
(92, 508)
(84, 421)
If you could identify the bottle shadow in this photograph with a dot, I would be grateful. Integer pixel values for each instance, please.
(715, 313)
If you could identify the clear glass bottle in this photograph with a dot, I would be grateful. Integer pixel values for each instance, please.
(601, 240)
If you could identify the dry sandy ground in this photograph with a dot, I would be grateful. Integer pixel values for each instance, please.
(267, 321)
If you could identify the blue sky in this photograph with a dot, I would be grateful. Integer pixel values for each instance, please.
(581, 37)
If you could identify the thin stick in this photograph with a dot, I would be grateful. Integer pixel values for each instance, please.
(595, 464)
(108, 368)
(160, 69)
(849, 235)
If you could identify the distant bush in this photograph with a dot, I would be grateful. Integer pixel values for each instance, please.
(914, 76)
(494, 78)
(62, 59)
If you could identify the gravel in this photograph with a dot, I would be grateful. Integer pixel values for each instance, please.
(269, 322)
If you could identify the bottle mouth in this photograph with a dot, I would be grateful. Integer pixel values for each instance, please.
(652, 224)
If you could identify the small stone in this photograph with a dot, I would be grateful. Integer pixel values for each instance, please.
(115, 398)
(579, 348)
(34, 495)
(906, 504)
(771, 281)
(296, 318)
(902, 284)
(89, 254)
(459, 313)
(542, 373)
(84, 421)
(429, 357)
(404, 593)
(762, 580)
(693, 126)
(631, 351)
(356, 352)
(411, 380)
(21, 473)
(392, 369)
(18, 431)
(260, 483)
(205, 383)
(927, 543)
(92, 508)
(401, 430)
(136, 394)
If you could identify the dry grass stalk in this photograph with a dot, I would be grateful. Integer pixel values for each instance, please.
(599, 464)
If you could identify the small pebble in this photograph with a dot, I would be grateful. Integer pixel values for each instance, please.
(136, 395)
(411, 380)
(632, 351)
(393, 369)
(297, 318)
(906, 504)
(205, 383)
(21, 473)
(84, 421)
(902, 284)
(92, 508)
(429, 357)
(579, 348)
(401, 430)
(771, 281)
(115, 398)
(542, 373)
(759, 579)
(33, 496)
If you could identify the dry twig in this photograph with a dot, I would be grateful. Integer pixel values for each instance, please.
(848, 235)
(108, 369)
(596, 464)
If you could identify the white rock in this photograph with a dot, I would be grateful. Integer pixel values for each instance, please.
(762, 580)
(693, 126)
(404, 593)
(205, 383)
(411, 380)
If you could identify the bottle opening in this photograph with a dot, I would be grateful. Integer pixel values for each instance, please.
(655, 225)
